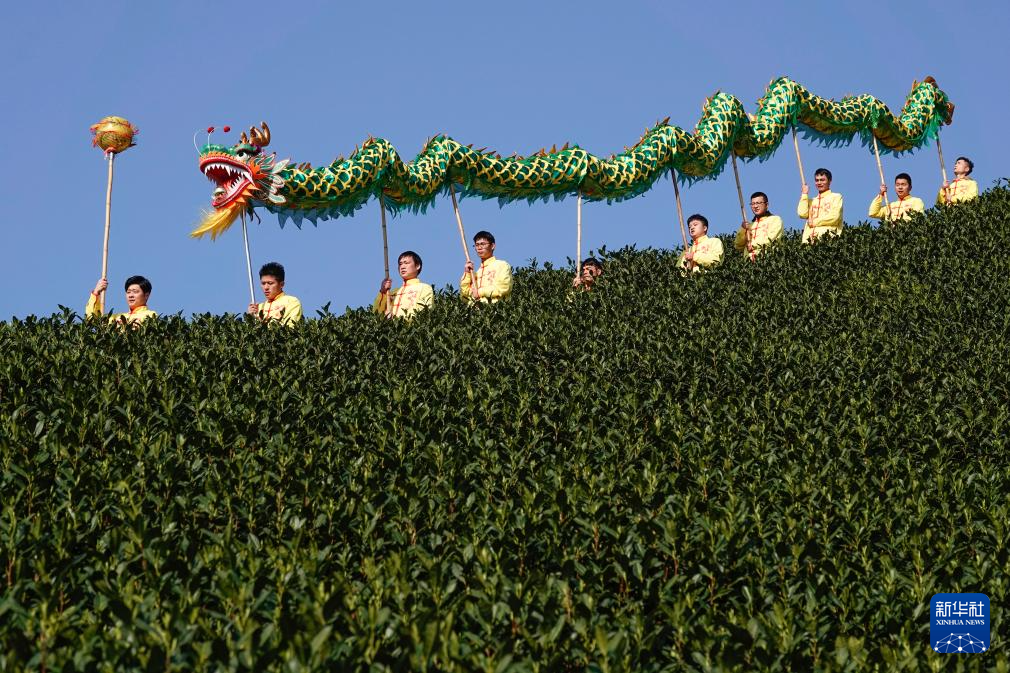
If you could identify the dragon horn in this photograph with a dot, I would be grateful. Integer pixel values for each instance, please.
(244, 138)
(258, 138)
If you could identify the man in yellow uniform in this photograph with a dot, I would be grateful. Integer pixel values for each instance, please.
(823, 214)
(765, 228)
(405, 301)
(494, 277)
(591, 269)
(278, 307)
(138, 290)
(900, 209)
(705, 252)
(963, 188)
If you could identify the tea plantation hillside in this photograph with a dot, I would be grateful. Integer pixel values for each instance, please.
(769, 467)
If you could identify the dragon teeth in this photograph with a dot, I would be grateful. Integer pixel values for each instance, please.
(228, 169)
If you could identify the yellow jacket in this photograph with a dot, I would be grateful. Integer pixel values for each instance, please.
(961, 189)
(758, 234)
(896, 210)
(707, 252)
(407, 300)
(823, 215)
(494, 281)
(135, 316)
(284, 308)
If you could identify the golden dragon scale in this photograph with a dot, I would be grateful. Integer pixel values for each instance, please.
(247, 177)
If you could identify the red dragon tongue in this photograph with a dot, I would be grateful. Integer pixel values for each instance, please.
(230, 178)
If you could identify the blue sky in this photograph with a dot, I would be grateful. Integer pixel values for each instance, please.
(510, 76)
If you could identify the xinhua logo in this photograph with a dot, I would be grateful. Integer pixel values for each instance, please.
(959, 623)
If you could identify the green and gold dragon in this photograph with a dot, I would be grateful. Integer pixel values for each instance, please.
(247, 177)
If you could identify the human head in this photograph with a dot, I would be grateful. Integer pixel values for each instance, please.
(759, 203)
(483, 243)
(272, 280)
(409, 263)
(822, 179)
(697, 226)
(138, 289)
(591, 268)
(966, 166)
(903, 184)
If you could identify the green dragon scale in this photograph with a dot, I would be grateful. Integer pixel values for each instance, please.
(247, 177)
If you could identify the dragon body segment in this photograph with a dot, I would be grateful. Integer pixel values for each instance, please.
(246, 177)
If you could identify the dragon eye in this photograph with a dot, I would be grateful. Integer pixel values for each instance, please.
(245, 150)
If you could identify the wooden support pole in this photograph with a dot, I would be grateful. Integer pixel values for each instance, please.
(462, 236)
(883, 183)
(880, 166)
(680, 209)
(799, 161)
(803, 176)
(385, 239)
(743, 213)
(739, 189)
(578, 238)
(943, 168)
(248, 259)
(111, 156)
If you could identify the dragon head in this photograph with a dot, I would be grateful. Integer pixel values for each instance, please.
(243, 175)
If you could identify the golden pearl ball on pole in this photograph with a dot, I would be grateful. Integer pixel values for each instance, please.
(113, 134)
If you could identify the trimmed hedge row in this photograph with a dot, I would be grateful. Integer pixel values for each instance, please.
(768, 467)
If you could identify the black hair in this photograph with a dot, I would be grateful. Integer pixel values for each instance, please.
(823, 171)
(971, 164)
(700, 218)
(145, 284)
(414, 256)
(904, 176)
(757, 194)
(273, 269)
(486, 235)
(592, 261)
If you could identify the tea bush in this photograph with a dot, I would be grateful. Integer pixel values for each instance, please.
(767, 467)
